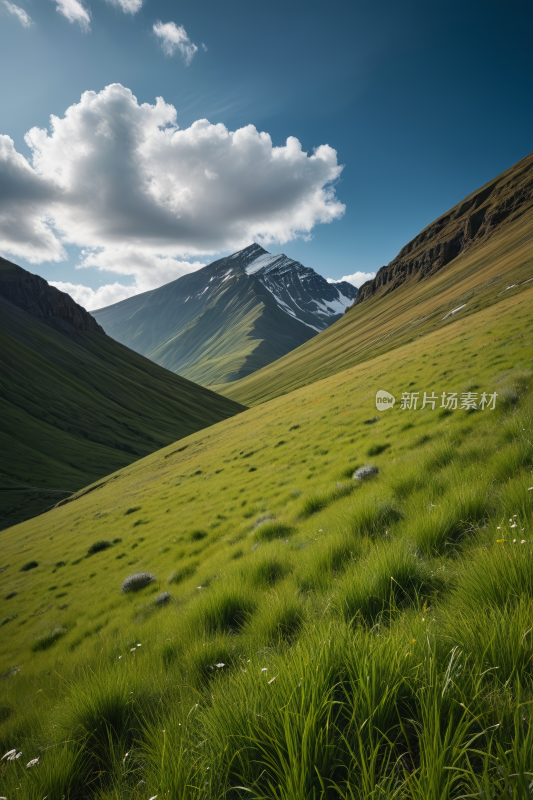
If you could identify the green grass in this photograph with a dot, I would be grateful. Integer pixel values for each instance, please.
(320, 642)
(74, 409)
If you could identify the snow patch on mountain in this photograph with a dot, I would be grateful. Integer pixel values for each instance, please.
(288, 310)
(267, 262)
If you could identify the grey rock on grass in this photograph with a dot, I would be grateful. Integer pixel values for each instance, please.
(162, 599)
(365, 472)
(137, 581)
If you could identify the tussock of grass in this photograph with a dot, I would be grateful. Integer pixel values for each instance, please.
(269, 531)
(44, 642)
(224, 610)
(181, 574)
(29, 565)
(390, 578)
(99, 546)
(267, 571)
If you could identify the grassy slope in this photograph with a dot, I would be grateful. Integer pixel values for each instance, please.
(75, 409)
(403, 599)
(476, 278)
(240, 333)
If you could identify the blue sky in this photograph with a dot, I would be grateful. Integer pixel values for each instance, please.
(421, 102)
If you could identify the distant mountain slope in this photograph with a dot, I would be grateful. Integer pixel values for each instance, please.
(466, 225)
(76, 405)
(411, 298)
(230, 318)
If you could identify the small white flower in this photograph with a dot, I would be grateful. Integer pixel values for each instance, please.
(513, 525)
(139, 645)
(264, 669)
(133, 649)
(219, 666)
(32, 763)
(523, 541)
(9, 753)
(153, 798)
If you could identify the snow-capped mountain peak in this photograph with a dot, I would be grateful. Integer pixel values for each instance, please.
(299, 291)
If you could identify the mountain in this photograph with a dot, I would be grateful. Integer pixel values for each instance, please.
(33, 294)
(471, 222)
(230, 318)
(476, 255)
(75, 404)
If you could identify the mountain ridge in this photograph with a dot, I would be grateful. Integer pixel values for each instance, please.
(230, 318)
(476, 217)
(34, 294)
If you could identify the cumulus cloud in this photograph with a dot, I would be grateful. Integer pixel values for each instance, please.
(128, 6)
(25, 199)
(18, 12)
(144, 198)
(357, 279)
(150, 272)
(174, 37)
(74, 11)
(96, 298)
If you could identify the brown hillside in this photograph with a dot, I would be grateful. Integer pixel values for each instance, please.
(472, 221)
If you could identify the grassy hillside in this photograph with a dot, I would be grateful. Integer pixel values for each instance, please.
(477, 278)
(76, 407)
(322, 636)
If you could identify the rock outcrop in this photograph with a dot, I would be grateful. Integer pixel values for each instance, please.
(500, 202)
(33, 294)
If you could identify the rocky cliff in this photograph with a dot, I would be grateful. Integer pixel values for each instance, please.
(473, 219)
(34, 295)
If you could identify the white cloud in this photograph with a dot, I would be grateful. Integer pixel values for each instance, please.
(357, 279)
(25, 198)
(144, 198)
(24, 18)
(150, 272)
(74, 11)
(96, 298)
(174, 36)
(128, 6)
